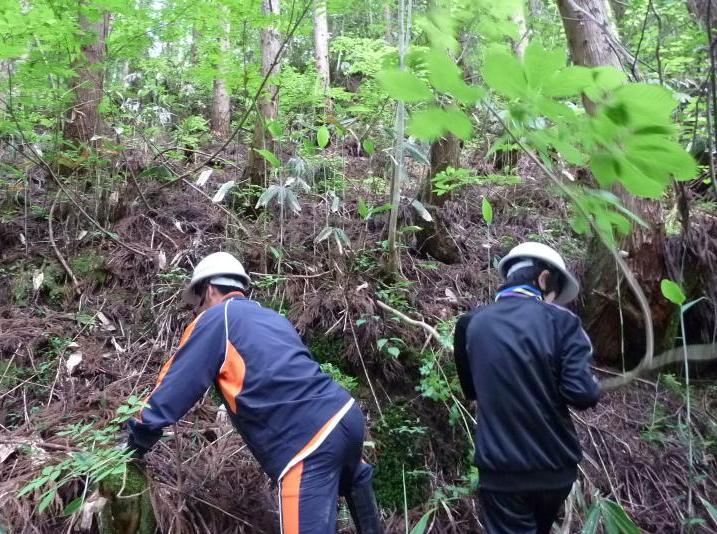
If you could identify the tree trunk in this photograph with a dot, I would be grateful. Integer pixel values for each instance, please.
(257, 167)
(446, 152)
(611, 315)
(84, 121)
(618, 8)
(388, 20)
(221, 112)
(434, 238)
(536, 7)
(321, 44)
(522, 39)
(703, 11)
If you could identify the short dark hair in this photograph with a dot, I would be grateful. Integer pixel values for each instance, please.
(529, 276)
(201, 287)
(225, 290)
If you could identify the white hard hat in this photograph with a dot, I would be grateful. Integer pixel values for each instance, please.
(220, 268)
(546, 254)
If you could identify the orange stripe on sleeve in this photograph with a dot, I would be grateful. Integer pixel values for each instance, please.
(231, 376)
(165, 368)
(290, 496)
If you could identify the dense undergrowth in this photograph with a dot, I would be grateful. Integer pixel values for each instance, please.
(442, 139)
(129, 315)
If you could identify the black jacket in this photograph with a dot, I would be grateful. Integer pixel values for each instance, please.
(525, 361)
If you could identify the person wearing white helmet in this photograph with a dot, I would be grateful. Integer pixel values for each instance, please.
(305, 430)
(526, 360)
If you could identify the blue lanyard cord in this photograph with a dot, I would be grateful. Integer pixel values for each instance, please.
(524, 291)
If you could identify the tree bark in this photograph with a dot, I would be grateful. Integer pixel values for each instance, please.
(522, 39)
(703, 11)
(321, 45)
(221, 105)
(257, 167)
(618, 8)
(536, 7)
(84, 120)
(446, 152)
(388, 21)
(610, 314)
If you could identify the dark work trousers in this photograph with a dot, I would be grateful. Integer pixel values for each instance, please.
(309, 491)
(521, 512)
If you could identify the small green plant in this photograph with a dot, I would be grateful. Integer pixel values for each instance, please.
(611, 516)
(347, 381)
(673, 292)
(96, 459)
(400, 440)
(366, 212)
(191, 132)
(390, 346)
(395, 294)
(268, 281)
(451, 179)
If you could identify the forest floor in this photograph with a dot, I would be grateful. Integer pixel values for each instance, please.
(72, 354)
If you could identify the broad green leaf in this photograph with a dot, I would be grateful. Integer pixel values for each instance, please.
(394, 351)
(322, 137)
(404, 85)
(616, 520)
(269, 156)
(605, 168)
(604, 80)
(445, 76)
(646, 103)
(592, 521)
(422, 525)
(363, 210)
(381, 343)
(672, 292)
(711, 509)
(274, 128)
(504, 74)
(46, 499)
(660, 156)
(428, 124)
(569, 81)
(73, 506)
(458, 123)
(368, 146)
(637, 182)
(487, 211)
(541, 64)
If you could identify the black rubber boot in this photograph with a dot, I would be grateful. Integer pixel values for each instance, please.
(364, 510)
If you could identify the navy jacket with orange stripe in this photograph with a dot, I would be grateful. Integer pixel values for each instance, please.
(274, 391)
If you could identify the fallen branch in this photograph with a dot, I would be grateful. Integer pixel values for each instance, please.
(696, 353)
(56, 250)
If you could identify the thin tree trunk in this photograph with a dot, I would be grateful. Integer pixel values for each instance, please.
(221, 104)
(404, 37)
(321, 45)
(388, 21)
(257, 167)
(536, 7)
(592, 41)
(84, 121)
(193, 46)
(523, 37)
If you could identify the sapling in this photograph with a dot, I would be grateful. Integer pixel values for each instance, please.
(673, 292)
